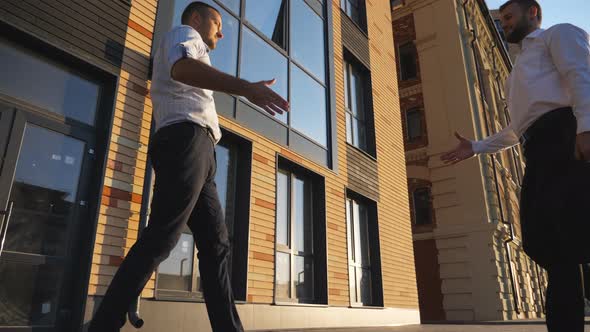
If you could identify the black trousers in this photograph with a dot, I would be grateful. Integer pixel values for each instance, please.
(553, 215)
(183, 157)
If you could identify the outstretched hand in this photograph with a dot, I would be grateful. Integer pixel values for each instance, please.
(464, 150)
(264, 97)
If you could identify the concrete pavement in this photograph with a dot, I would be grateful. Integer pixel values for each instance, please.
(531, 326)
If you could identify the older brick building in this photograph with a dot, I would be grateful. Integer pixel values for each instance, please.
(316, 201)
(470, 265)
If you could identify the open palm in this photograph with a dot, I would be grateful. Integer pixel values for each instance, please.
(463, 150)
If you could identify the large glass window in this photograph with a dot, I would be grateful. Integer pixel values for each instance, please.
(260, 61)
(357, 105)
(307, 45)
(295, 255)
(408, 61)
(364, 257)
(357, 220)
(225, 56)
(266, 39)
(308, 105)
(47, 85)
(269, 17)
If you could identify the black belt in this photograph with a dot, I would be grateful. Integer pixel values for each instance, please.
(547, 120)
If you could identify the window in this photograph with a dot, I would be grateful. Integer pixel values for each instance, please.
(300, 250)
(178, 276)
(47, 85)
(269, 17)
(265, 39)
(357, 105)
(363, 252)
(422, 207)
(355, 9)
(414, 130)
(407, 61)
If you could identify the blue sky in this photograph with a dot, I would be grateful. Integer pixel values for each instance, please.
(559, 11)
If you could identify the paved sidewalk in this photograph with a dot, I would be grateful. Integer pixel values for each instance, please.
(521, 326)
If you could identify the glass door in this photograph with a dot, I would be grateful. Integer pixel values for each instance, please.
(43, 182)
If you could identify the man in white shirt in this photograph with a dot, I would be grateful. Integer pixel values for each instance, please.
(548, 95)
(183, 156)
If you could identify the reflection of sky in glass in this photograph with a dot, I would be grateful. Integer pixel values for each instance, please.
(265, 16)
(180, 261)
(225, 56)
(221, 177)
(261, 62)
(282, 210)
(308, 106)
(40, 83)
(302, 221)
(307, 38)
(50, 160)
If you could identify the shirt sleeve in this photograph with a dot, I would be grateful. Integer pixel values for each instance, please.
(502, 140)
(185, 43)
(570, 50)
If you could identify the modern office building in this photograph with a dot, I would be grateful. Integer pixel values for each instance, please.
(316, 201)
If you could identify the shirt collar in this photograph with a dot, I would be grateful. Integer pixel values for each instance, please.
(530, 37)
(534, 34)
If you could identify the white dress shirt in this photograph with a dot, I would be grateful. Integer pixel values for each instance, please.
(551, 72)
(174, 101)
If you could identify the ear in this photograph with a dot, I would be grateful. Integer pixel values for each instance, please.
(196, 18)
(533, 12)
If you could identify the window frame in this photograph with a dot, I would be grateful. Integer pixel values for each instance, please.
(318, 235)
(419, 113)
(362, 24)
(410, 46)
(241, 110)
(374, 254)
(350, 65)
(240, 218)
(415, 210)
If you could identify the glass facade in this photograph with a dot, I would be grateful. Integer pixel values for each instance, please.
(281, 39)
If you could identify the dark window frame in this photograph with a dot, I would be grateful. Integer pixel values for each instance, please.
(318, 231)
(239, 241)
(428, 192)
(362, 13)
(241, 112)
(352, 64)
(403, 66)
(420, 115)
(374, 248)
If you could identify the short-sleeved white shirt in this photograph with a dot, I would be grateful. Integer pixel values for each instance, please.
(174, 101)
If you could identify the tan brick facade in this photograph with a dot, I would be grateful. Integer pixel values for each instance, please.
(117, 38)
(461, 89)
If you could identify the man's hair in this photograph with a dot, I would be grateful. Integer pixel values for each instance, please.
(525, 5)
(197, 6)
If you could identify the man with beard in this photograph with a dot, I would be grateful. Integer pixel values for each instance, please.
(548, 95)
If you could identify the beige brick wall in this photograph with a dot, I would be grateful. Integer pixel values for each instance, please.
(117, 38)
